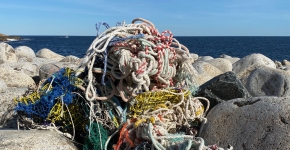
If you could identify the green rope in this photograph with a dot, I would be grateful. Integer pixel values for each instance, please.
(97, 139)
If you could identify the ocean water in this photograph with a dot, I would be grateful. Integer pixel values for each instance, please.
(276, 48)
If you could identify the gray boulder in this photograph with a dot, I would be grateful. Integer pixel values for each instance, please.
(71, 59)
(205, 71)
(265, 81)
(256, 123)
(222, 64)
(222, 88)
(46, 70)
(247, 64)
(14, 78)
(48, 54)
(7, 53)
(24, 52)
(34, 140)
(25, 67)
(7, 107)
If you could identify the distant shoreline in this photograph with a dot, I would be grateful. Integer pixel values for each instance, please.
(5, 38)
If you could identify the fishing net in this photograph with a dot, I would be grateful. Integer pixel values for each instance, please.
(133, 90)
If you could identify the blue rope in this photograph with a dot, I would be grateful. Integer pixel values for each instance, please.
(98, 26)
(105, 65)
(120, 39)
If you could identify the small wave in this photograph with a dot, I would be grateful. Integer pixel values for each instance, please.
(11, 40)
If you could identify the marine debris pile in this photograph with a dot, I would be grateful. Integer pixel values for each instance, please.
(133, 90)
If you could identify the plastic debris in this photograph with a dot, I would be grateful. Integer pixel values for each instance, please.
(133, 90)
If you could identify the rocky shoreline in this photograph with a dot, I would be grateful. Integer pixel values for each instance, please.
(4, 38)
(249, 98)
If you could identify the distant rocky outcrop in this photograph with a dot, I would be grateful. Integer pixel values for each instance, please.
(4, 38)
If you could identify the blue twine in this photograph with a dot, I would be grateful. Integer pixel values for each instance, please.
(98, 26)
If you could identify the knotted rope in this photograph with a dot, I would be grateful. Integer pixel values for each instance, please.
(140, 59)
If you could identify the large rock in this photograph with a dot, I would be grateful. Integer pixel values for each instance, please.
(24, 52)
(46, 70)
(205, 71)
(265, 81)
(7, 107)
(71, 59)
(25, 67)
(257, 123)
(40, 61)
(14, 78)
(222, 88)
(48, 54)
(34, 140)
(247, 64)
(3, 85)
(222, 64)
(7, 53)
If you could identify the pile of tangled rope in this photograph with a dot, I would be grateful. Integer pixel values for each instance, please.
(133, 90)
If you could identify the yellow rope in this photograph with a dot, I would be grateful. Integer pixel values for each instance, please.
(155, 99)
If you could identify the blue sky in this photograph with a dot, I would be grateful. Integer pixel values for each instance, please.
(182, 17)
